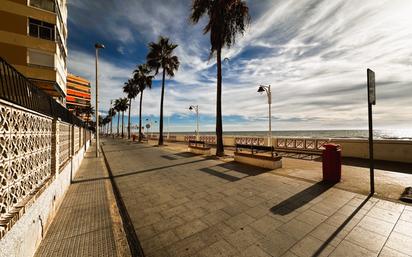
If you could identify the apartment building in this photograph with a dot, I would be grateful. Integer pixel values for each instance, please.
(33, 38)
(78, 96)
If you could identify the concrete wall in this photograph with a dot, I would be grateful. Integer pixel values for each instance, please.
(26, 234)
(387, 150)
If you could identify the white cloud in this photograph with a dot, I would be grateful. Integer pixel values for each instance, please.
(314, 53)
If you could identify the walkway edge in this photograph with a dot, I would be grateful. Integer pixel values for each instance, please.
(128, 228)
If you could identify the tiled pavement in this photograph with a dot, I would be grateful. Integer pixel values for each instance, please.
(83, 225)
(185, 205)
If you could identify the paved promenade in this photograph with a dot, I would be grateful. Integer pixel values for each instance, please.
(186, 205)
(87, 223)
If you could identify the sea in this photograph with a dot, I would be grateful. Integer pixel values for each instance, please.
(398, 134)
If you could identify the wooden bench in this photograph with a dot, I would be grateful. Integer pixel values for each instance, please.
(199, 147)
(254, 156)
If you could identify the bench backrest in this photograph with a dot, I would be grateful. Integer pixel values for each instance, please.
(255, 147)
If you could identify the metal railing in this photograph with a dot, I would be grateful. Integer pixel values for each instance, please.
(17, 89)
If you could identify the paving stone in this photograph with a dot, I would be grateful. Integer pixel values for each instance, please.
(215, 233)
(407, 215)
(384, 214)
(404, 227)
(388, 252)
(296, 229)
(311, 246)
(266, 224)
(346, 248)
(332, 234)
(254, 251)
(219, 249)
(190, 228)
(367, 239)
(400, 242)
(186, 247)
(376, 225)
(276, 243)
(243, 238)
(215, 217)
(311, 217)
(239, 221)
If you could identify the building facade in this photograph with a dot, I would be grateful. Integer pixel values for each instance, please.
(33, 38)
(78, 96)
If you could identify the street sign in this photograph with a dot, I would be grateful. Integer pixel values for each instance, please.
(147, 126)
(371, 87)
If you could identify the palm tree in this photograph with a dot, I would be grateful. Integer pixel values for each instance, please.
(143, 80)
(117, 109)
(131, 89)
(112, 113)
(227, 18)
(89, 111)
(161, 56)
(123, 106)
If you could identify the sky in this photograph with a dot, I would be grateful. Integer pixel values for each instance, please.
(313, 53)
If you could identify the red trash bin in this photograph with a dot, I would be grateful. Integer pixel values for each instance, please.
(331, 163)
(134, 137)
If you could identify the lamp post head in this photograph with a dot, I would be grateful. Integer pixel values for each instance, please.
(99, 45)
(261, 89)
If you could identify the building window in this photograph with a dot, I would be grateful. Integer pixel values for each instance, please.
(41, 29)
(47, 5)
(40, 58)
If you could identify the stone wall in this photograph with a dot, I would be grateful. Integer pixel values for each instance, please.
(37, 162)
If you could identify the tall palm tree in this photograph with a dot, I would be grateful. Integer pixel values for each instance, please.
(227, 18)
(161, 56)
(117, 108)
(143, 80)
(112, 113)
(123, 106)
(132, 90)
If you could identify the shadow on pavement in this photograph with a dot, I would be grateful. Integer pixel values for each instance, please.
(243, 168)
(340, 228)
(157, 168)
(220, 174)
(300, 199)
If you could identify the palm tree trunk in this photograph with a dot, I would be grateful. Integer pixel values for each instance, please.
(122, 123)
(140, 117)
(128, 125)
(111, 126)
(219, 130)
(161, 109)
(118, 123)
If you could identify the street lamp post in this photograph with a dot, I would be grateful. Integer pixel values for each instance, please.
(269, 94)
(196, 108)
(97, 46)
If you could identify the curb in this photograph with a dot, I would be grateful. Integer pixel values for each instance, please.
(131, 236)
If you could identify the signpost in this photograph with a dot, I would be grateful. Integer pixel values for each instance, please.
(371, 101)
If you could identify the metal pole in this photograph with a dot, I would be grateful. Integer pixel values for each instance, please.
(371, 161)
(97, 105)
(270, 116)
(197, 122)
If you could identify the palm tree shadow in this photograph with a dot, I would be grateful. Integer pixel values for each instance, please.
(300, 199)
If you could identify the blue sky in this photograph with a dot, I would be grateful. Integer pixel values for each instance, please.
(314, 53)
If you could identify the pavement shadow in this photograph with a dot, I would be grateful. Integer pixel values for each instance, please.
(220, 174)
(157, 168)
(300, 199)
(185, 154)
(340, 228)
(243, 168)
